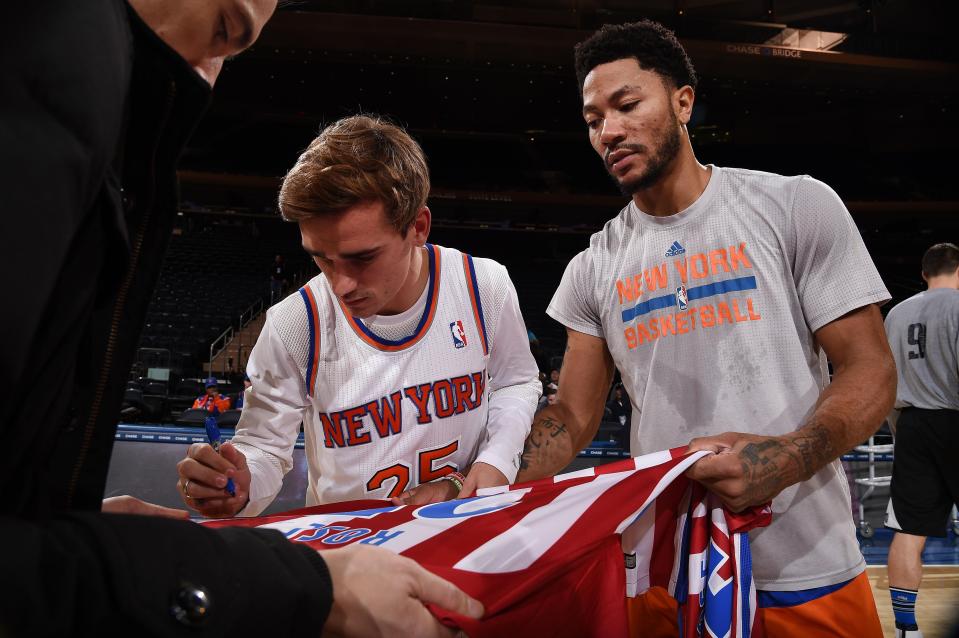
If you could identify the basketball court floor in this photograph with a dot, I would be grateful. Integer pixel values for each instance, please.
(937, 609)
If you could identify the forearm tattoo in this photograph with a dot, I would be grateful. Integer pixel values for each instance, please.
(773, 464)
(815, 448)
(763, 469)
(548, 448)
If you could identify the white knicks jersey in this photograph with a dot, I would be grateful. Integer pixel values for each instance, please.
(382, 416)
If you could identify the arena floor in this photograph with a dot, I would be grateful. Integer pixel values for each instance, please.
(937, 608)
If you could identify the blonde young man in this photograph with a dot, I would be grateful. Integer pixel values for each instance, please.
(407, 363)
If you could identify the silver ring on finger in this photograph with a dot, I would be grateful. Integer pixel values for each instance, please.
(186, 489)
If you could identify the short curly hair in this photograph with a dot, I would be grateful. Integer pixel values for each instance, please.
(651, 44)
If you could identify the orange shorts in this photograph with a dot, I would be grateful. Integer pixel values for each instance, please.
(847, 612)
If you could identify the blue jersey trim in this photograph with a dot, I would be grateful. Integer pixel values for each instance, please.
(312, 357)
(773, 599)
(479, 302)
(430, 300)
(746, 582)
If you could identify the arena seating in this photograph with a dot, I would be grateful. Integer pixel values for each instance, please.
(214, 269)
(209, 276)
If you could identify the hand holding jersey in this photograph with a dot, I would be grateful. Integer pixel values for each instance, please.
(479, 476)
(482, 475)
(750, 470)
(364, 607)
(426, 493)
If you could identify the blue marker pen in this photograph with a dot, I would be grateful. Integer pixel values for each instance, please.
(213, 436)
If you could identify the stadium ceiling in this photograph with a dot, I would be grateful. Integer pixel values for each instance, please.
(814, 83)
(750, 19)
(821, 42)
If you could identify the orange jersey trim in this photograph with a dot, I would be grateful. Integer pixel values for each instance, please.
(366, 335)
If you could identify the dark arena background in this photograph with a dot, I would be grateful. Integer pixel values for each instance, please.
(861, 94)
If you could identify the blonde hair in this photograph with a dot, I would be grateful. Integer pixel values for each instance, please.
(358, 159)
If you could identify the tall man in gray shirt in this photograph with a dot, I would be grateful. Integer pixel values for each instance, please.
(924, 335)
(719, 293)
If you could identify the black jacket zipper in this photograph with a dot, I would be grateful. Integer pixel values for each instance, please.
(108, 355)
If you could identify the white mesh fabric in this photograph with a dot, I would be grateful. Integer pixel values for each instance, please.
(493, 281)
(254, 454)
(290, 321)
(495, 287)
(827, 242)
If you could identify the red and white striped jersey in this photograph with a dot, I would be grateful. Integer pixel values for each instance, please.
(547, 556)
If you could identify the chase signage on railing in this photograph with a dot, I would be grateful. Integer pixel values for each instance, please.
(764, 50)
(187, 435)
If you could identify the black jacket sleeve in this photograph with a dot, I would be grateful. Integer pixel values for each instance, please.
(64, 99)
(66, 67)
(100, 574)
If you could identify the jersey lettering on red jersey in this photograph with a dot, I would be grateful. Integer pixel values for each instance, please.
(548, 555)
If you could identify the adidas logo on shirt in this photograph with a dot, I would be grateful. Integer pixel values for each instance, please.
(675, 249)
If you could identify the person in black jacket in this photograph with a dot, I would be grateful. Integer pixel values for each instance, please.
(97, 99)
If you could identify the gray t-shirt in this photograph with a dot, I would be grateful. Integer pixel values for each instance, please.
(709, 315)
(924, 336)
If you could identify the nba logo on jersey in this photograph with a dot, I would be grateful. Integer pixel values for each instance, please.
(459, 334)
(682, 298)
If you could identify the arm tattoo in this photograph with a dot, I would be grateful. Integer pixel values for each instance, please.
(547, 449)
(762, 469)
(773, 464)
(556, 429)
(814, 448)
